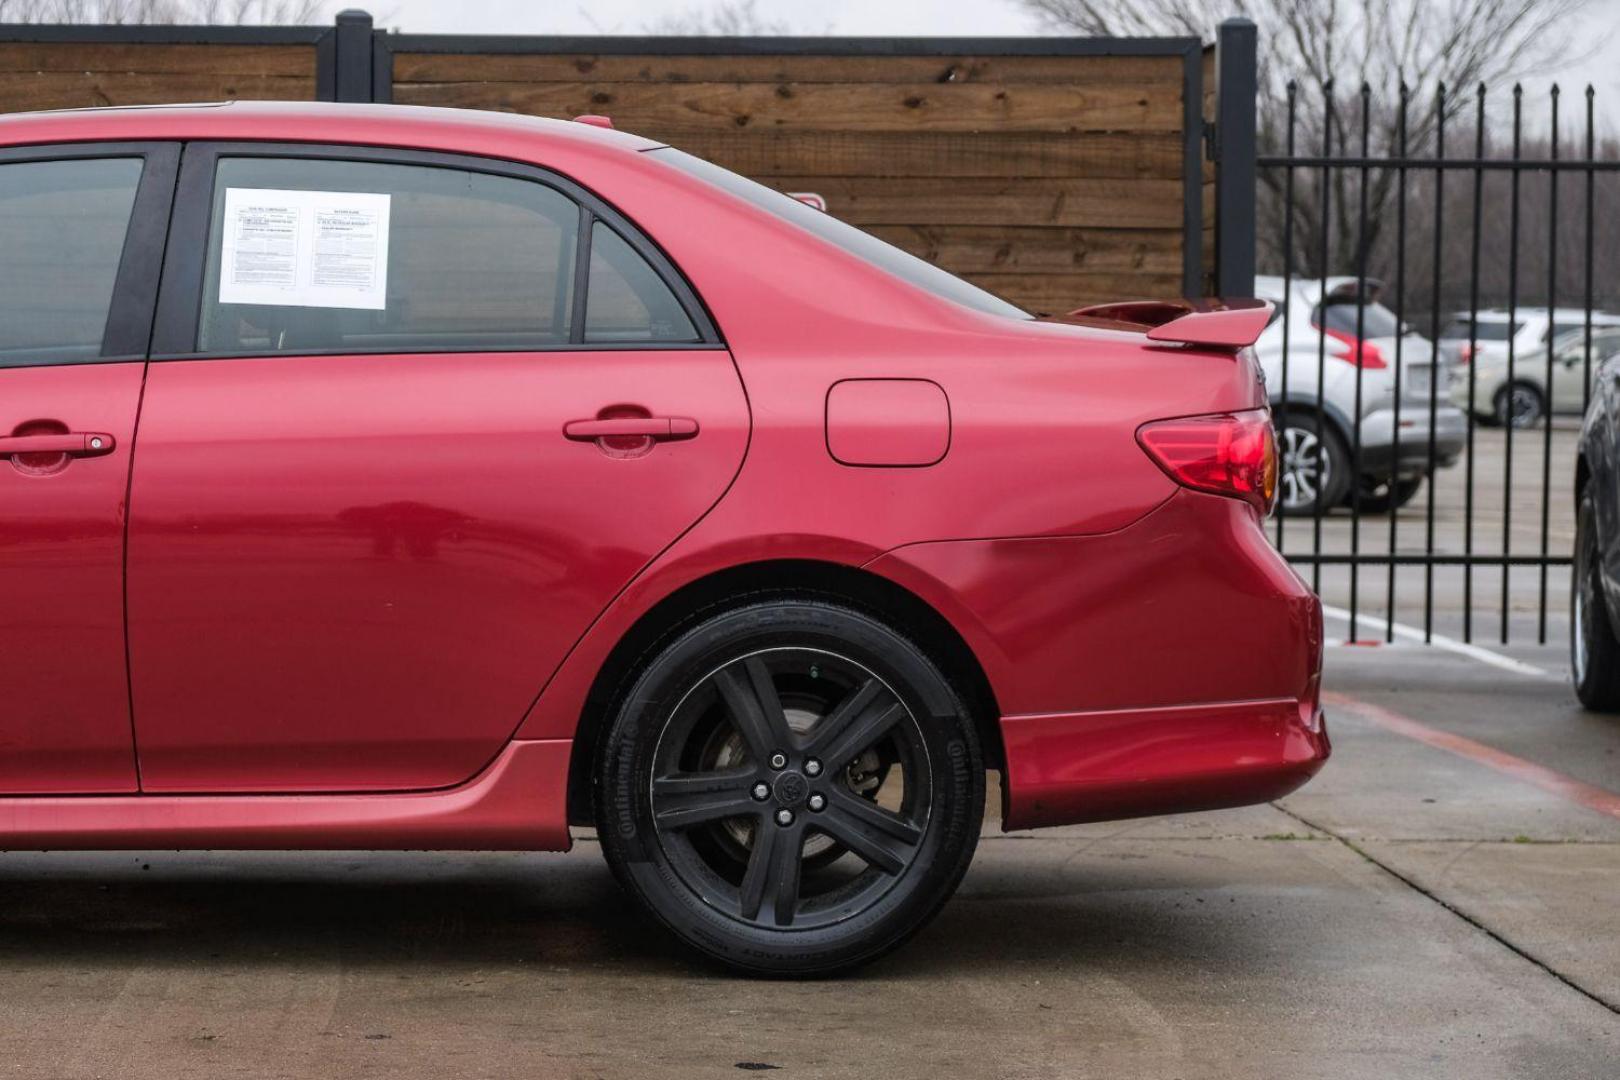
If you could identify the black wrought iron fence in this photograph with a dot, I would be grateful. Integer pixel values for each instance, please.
(1438, 291)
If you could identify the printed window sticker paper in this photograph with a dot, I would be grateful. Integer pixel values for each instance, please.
(325, 249)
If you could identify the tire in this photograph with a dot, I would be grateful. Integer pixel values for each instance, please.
(1594, 651)
(1384, 496)
(723, 841)
(1520, 404)
(1299, 494)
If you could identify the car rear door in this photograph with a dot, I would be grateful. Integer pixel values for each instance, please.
(81, 233)
(412, 422)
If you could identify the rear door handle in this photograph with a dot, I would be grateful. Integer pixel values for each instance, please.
(78, 443)
(660, 428)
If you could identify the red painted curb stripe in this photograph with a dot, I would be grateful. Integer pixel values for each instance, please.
(1565, 787)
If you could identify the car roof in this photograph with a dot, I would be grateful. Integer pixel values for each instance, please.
(310, 121)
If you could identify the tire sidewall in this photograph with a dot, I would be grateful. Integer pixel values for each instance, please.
(956, 775)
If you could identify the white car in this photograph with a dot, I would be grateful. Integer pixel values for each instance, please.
(1315, 410)
(1523, 396)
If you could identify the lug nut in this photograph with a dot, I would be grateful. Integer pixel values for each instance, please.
(762, 791)
(779, 760)
(812, 767)
(784, 817)
(818, 801)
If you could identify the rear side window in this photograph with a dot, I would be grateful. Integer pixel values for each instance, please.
(627, 301)
(62, 230)
(1462, 328)
(314, 255)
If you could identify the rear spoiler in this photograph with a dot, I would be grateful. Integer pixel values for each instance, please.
(1219, 324)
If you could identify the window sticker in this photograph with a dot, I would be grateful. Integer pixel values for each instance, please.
(324, 249)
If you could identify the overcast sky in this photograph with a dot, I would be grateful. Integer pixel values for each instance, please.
(898, 17)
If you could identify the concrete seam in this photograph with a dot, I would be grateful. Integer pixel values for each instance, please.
(1517, 950)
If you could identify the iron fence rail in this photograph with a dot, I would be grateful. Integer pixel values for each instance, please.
(1316, 179)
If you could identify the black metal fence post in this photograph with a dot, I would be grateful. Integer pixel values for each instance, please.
(1236, 55)
(353, 56)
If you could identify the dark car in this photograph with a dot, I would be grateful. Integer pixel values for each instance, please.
(1595, 603)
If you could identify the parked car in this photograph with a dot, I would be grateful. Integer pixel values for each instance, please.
(1594, 632)
(1325, 361)
(398, 478)
(1482, 339)
(1523, 396)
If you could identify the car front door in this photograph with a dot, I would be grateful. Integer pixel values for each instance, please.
(429, 416)
(81, 230)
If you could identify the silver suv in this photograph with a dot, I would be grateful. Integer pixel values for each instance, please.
(1316, 428)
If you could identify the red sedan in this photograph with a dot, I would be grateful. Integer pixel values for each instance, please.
(399, 478)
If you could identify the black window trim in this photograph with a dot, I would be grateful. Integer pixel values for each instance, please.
(127, 335)
(180, 297)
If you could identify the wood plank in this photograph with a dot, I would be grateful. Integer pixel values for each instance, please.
(564, 68)
(649, 108)
(1059, 293)
(935, 153)
(1125, 204)
(1030, 250)
(65, 90)
(239, 60)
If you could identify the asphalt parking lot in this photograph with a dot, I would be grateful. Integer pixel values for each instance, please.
(1441, 901)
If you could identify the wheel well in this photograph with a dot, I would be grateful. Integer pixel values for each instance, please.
(860, 589)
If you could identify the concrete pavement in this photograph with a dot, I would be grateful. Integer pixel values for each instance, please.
(1411, 913)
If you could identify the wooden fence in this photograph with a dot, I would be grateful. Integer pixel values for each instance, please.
(1053, 171)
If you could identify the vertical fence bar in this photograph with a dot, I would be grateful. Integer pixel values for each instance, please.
(1552, 337)
(1321, 335)
(1513, 309)
(1235, 75)
(1591, 178)
(1288, 272)
(1400, 338)
(1434, 353)
(1360, 355)
(1473, 368)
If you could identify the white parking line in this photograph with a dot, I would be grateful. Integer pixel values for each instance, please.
(1440, 641)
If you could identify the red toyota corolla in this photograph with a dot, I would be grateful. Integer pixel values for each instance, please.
(400, 478)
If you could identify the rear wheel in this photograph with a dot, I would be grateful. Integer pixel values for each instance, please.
(791, 787)
(1313, 465)
(1520, 405)
(1594, 651)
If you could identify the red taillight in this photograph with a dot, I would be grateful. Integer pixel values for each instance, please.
(1465, 354)
(1361, 353)
(1233, 454)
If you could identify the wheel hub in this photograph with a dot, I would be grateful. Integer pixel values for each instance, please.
(792, 789)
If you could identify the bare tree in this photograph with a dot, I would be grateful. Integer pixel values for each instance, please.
(1339, 58)
(147, 12)
(730, 18)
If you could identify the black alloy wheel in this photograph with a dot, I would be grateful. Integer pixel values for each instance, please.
(792, 787)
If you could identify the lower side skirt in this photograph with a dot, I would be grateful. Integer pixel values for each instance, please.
(517, 803)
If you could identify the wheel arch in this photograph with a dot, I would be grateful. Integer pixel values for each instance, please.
(861, 589)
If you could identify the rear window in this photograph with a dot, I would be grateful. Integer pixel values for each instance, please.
(902, 264)
(1375, 320)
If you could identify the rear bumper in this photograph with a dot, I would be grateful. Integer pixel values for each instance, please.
(1067, 768)
(1173, 665)
(1380, 456)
